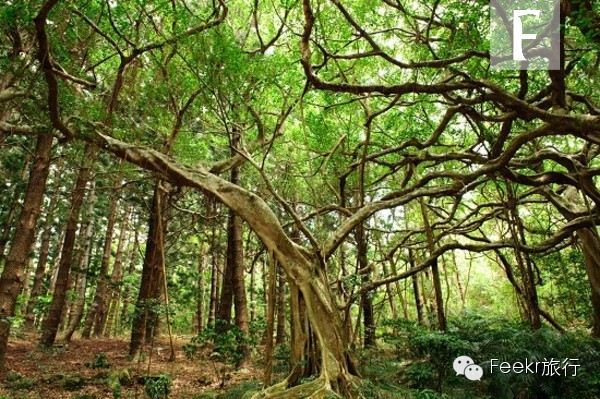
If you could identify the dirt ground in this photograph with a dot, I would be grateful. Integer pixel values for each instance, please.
(71, 371)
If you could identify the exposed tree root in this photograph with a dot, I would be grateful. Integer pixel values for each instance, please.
(319, 388)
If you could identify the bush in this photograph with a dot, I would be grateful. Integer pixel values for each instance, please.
(100, 362)
(241, 390)
(226, 343)
(72, 382)
(16, 381)
(157, 387)
(226, 340)
(431, 354)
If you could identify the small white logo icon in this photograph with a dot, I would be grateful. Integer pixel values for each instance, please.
(518, 34)
(464, 365)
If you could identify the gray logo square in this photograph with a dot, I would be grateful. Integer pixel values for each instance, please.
(525, 34)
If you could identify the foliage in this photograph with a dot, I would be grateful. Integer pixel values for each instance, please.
(17, 381)
(100, 362)
(431, 354)
(225, 341)
(157, 386)
(240, 391)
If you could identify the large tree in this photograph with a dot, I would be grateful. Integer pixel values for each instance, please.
(388, 110)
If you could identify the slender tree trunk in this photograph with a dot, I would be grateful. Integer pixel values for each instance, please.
(239, 284)
(212, 247)
(200, 288)
(416, 291)
(114, 290)
(82, 268)
(40, 270)
(366, 299)
(435, 273)
(527, 272)
(520, 292)
(253, 291)
(50, 324)
(463, 297)
(233, 291)
(233, 282)
(12, 212)
(123, 319)
(26, 278)
(270, 321)
(11, 280)
(145, 316)
(224, 309)
(280, 332)
(399, 291)
(96, 315)
(590, 243)
(390, 294)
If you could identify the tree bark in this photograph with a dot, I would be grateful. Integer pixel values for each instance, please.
(524, 262)
(212, 307)
(11, 280)
(123, 318)
(416, 290)
(303, 267)
(590, 243)
(40, 270)
(52, 321)
(280, 331)
(145, 317)
(12, 211)
(270, 321)
(96, 315)
(200, 288)
(114, 290)
(366, 298)
(239, 286)
(233, 291)
(87, 232)
(224, 309)
(435, 272)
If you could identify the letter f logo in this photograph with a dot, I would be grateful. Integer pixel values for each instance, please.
(518, 35)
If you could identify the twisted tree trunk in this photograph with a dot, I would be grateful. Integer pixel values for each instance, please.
(304, 268)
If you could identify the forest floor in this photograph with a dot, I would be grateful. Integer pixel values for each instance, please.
(90, 369)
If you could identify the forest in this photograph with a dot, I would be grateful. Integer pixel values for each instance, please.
(266, 199)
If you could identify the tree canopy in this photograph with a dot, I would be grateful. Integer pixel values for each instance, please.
(155, 153)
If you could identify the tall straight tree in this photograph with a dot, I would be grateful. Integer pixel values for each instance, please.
(145, 318)
(55, 311)
(11, 280)
(44, 251)
(97, 313)
(82, 263)
(233, 291)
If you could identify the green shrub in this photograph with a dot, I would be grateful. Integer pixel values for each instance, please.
(100, 362)
(17, 381)
(485, 338)
(158, 387)
(226, 340)
(73, 382)
(241, 390)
